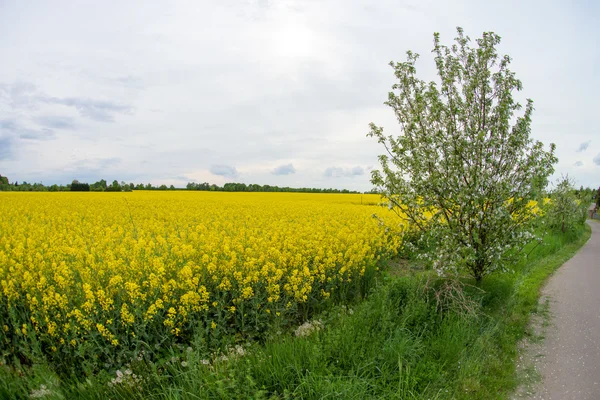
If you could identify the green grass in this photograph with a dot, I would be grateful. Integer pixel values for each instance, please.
(394, 345)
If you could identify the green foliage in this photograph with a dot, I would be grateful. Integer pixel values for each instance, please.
(566, 210)
(32, 187)
(77, 186)
(253, 187)
(99, 186)
(461, 170)
(3, 180)
(114, 187)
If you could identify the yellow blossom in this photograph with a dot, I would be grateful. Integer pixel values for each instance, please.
(84, 264)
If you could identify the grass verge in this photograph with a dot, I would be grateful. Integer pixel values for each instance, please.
(406, 341)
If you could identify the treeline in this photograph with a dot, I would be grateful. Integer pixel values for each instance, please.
(7, 186)
(253, 187)
(116, 186)
(76, 186)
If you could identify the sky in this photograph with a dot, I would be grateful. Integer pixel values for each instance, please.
(262, 91)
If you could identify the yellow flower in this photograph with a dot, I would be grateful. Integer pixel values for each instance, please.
(126, 316)
(79, 266)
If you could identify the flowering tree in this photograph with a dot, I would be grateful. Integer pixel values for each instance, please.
(464, 168)
(566, 210)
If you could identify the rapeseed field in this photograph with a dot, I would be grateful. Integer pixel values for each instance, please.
(102, 276)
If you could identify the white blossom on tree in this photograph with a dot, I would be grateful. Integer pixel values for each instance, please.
(463, 168)
(566, 211)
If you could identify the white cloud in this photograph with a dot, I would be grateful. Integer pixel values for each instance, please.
(224, 170)
(284, 170)
(338, 172)
(583, 146)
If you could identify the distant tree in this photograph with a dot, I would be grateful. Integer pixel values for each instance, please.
(77, 186)
(114, 187)
(3, 180)
(566, 209)
(125, 187)
(99, 186)
(464, 168)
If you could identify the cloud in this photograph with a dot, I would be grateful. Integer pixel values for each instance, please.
(578, 163)
(7, 125)
(108, 162)
(224, 170)
(18, 95)
(597, 159)
(98, 110)
(284, 170)
(95, 163)
(337, 172)
(356, 171)
(583, 146)
(130, 81)
(91, 170)
(10, 128)
(33, 134)
(333, 172)
(6, 147)
(25, 95)
(55, 122)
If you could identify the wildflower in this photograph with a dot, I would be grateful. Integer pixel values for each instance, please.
(240, 350)
(43, 391)
(307, 328)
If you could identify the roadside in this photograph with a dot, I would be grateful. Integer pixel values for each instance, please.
(561, 358)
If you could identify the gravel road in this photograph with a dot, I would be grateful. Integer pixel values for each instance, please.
(570, 366)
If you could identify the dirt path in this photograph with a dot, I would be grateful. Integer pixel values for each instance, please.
(570, 353)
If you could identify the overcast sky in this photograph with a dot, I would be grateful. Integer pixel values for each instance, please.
(270, 92)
